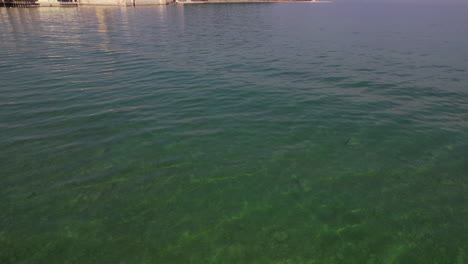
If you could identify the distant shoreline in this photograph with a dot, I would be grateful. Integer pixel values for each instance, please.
(247, 1)
(135, 3)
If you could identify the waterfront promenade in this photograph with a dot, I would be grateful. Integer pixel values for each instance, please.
(69, 3)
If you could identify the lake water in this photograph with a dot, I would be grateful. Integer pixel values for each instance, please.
(234, 133)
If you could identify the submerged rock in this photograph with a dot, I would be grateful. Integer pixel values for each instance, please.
(351, 142)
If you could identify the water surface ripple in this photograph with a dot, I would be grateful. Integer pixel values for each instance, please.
(243, 133)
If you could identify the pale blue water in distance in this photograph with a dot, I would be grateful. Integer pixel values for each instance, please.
(242, 133)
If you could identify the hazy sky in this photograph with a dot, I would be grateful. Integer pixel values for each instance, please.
(405, 1)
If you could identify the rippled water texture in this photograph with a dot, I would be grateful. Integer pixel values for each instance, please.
(243, 133)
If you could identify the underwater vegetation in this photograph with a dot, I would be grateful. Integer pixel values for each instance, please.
(287, 210)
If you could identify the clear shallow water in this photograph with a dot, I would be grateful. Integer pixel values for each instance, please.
(246, 133)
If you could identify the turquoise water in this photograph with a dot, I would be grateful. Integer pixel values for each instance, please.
(243, 133)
